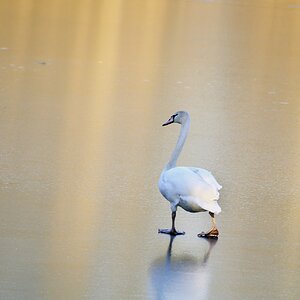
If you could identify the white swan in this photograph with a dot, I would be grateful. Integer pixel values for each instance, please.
(193, 189)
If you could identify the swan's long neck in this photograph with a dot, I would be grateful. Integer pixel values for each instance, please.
(185, 126)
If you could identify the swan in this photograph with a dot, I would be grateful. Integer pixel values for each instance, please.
(191, 188)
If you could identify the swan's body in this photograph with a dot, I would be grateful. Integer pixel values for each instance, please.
(193, 189)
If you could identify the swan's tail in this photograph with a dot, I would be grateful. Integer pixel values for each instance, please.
(216, 209)
(213, 207)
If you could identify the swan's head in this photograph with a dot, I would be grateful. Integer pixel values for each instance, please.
(180, 117)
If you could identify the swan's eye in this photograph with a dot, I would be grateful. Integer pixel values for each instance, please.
(174, 116)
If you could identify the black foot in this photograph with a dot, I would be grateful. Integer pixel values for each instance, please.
(213, 234)
(171, 232)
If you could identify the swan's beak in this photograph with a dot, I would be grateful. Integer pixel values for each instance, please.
(170, 121)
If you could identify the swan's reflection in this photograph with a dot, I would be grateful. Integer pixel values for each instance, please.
(183, 276)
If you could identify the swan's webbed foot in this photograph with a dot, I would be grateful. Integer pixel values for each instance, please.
(172, 232)
(212, 234)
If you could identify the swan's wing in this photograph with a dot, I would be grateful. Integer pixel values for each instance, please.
(206, 176)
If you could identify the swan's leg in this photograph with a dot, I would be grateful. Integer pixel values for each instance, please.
(213, 233)
(171, 231)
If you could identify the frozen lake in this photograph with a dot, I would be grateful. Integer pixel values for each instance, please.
(84, 89)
